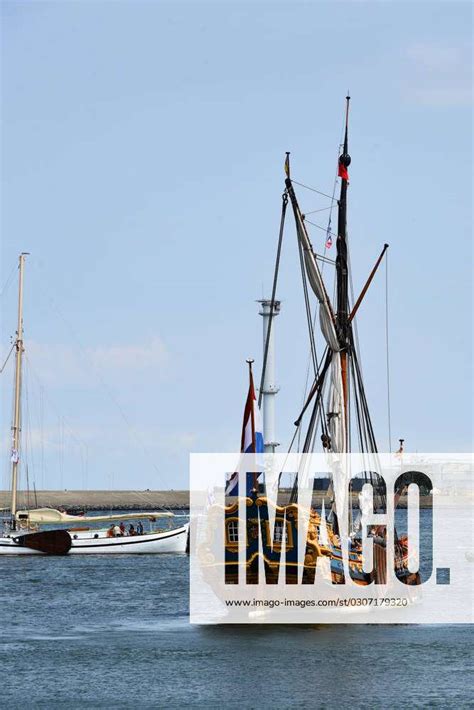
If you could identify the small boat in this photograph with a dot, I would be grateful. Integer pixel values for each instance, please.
(87, 535)
(49, 531)
(93, 541)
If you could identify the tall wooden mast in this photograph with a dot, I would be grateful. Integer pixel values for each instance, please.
(342, 273)
(16, 426)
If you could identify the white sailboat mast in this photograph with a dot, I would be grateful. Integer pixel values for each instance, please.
(16, 426)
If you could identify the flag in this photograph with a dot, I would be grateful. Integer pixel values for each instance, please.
(252, 430)
(287, 165)
(232, 487)
(342, 172)
(328, 233)
(252, 437)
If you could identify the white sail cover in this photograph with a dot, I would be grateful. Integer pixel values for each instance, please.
(51, 515)
(326, 317)
(335, 407)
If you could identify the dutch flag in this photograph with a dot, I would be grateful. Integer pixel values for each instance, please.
(252, 435)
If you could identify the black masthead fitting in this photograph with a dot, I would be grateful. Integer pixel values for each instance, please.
(345, 159)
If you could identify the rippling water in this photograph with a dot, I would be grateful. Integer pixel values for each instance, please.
(113, 632)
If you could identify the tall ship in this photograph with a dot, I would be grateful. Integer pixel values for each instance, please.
(335, 419)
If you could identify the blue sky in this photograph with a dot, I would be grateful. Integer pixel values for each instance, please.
(142, 167)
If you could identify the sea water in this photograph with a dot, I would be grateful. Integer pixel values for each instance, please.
(113, 632)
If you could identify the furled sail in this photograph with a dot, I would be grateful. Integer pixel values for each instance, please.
(326, 316)
(335, 406)
(335, 410)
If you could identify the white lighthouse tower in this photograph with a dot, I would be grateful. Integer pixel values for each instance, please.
(268, 386)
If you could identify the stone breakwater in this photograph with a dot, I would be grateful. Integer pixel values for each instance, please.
(123, 500)
(100, 500)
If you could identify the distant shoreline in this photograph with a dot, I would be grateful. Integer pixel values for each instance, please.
(119, 500)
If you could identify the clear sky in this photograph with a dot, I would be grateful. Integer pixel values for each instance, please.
(142, 167)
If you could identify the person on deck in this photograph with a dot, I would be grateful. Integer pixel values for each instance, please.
(110, 531)
(131, 529)
(122, 529)
(117, 531)
(140, 528)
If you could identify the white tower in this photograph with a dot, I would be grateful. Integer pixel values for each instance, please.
(269, 388)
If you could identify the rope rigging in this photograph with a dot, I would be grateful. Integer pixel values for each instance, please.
(8, 280)
(341, 358)
(8, 357)
(348, 400)
(354, 399)
(318, 192)
(324, 260)
(309, 317)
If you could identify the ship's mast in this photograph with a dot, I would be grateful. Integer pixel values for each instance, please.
(16, 426)
(342, 274)
(270, 309)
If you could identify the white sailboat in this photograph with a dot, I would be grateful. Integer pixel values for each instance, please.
(49, 531)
